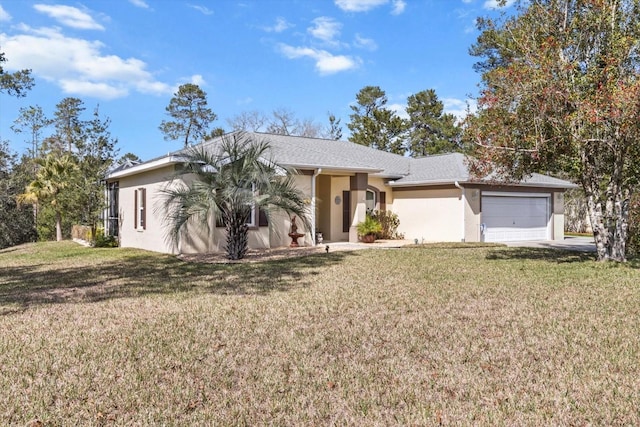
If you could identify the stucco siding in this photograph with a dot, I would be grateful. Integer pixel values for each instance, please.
(558, 216)
(338, 185)
(472, 215)
(154, 236)
(430, 215)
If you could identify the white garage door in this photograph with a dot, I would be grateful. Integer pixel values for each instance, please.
(511, 218)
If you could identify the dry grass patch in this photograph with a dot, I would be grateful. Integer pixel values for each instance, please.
(423, 335)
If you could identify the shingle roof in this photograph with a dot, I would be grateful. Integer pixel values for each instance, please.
(303, 152)
(452, 167)
(313, 153)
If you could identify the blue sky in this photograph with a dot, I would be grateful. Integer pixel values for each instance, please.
(307, 56)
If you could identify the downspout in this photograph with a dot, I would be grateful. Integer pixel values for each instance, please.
(313, 205)
(457, 184)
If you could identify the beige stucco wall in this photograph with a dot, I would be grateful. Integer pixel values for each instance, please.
(324, 203)
(281, 223)
(330, 223)
(472, 215)
(154, 237)
(430, 215)
(195, 238)
(557, 216)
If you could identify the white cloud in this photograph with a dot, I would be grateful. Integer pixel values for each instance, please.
(280, 26)
(78, 66)
(399, 109)
(398, 7)
(139, 3)
(359, 5)
(202, 9)
(97, 90)
(69, 16)
(458, 107)
(325, 29)
(495, 4)
(4, 15)
(244, 101)
(365, 43)
(197, 79)
(326, 63)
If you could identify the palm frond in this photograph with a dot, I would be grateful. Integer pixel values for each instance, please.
(225, 179)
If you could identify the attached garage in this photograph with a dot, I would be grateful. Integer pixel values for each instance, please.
(508, 217)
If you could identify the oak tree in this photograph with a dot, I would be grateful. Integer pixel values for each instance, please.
(561, 93)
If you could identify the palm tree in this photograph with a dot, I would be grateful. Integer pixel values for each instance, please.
(55, 173)
(231, 179)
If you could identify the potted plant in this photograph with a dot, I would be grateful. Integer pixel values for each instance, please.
(368, 229)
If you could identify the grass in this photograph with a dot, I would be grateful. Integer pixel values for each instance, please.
(451, 335)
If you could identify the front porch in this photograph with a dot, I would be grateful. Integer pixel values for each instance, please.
(342, 201)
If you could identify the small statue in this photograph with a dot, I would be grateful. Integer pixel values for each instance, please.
(294, 226)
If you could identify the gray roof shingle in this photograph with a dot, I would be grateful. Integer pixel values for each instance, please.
(313, 153)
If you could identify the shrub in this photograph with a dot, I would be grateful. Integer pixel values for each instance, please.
(389, 223)
(102, 241)
(82, 232)
(370, 225)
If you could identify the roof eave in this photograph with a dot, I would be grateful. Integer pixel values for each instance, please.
(466, 182)
(301, 166)
(147, 166)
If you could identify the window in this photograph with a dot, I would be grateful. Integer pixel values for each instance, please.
(370, 201)
(112, 209)
(257, 217)
(140, 209)
(252, 216)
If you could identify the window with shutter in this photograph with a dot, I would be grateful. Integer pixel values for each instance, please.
(140, 209)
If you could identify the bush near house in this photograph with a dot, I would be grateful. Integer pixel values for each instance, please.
(389, 222)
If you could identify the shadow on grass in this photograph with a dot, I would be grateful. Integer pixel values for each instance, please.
(140, 275)
(541, 254)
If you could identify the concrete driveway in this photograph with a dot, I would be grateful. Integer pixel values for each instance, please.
(570, 243)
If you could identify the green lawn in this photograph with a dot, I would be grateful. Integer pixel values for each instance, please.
(416, 336)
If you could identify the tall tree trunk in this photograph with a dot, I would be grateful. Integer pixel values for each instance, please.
(610, 225)
(58, 226)
(237, 235)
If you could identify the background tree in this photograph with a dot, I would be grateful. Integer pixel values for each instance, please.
(374, 125)
(17, 224)
(190, 114)
(95, 155)
(14, 84)
(561, 92)
(215, 132)
(334, 131)
(33, 120)
(431, 130)
(249, 121)
(283, 122)
(68, 124)
(128, 158)
(56, 173)
(227, 185)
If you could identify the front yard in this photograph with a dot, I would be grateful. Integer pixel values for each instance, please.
(446, 334)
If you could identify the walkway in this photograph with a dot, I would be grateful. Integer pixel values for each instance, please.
(570, 243)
